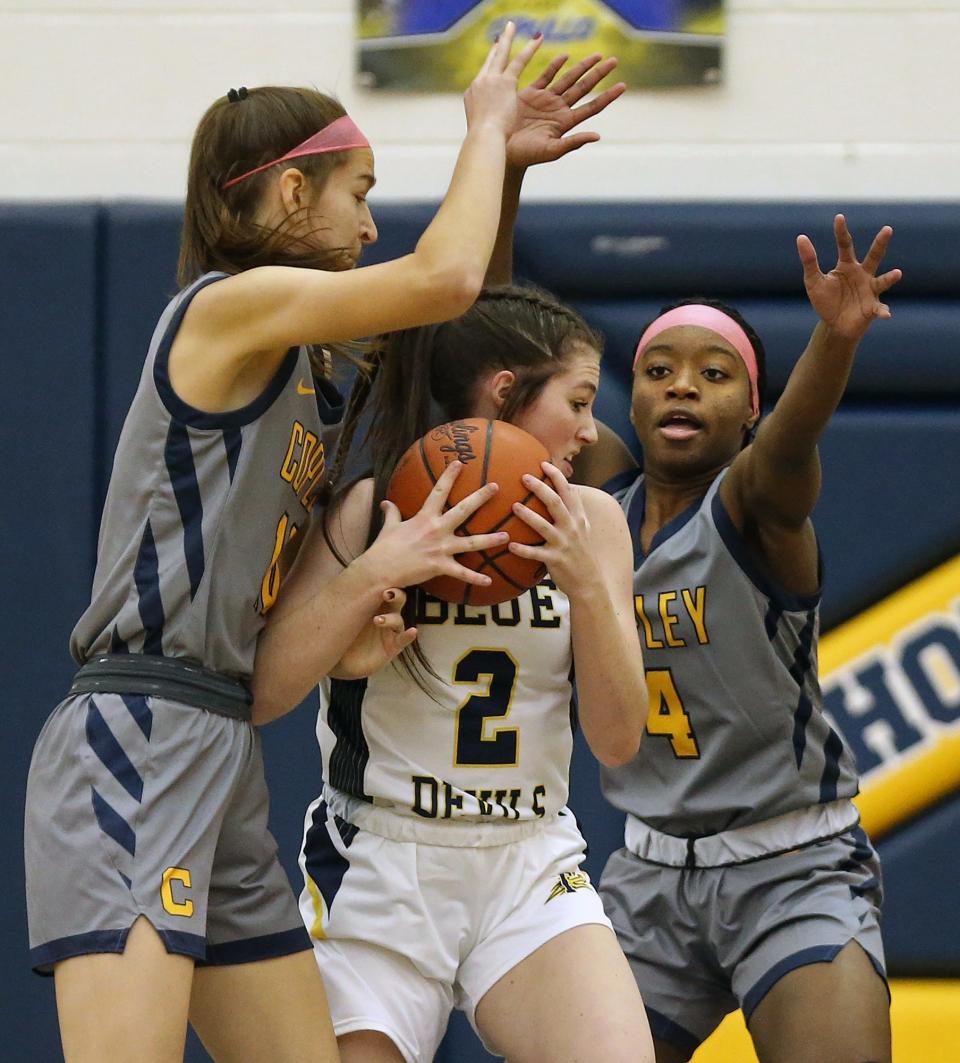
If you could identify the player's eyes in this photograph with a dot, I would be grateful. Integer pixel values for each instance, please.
(657, 371)
(712, 373)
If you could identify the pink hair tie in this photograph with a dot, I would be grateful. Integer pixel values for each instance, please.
(340, 135)
(717, 321)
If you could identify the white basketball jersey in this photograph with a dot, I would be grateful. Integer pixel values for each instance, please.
(491, 744)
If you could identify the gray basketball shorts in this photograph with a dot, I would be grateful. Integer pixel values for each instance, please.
(143, 806)
(705, 941)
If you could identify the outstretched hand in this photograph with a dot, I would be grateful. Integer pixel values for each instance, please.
(847, 299)
(546, 110)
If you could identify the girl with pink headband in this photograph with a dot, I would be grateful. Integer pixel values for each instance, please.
(155, 890)
(745, 879)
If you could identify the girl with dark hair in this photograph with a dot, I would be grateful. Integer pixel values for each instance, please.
(153, 885)
(745, 879)
(442, 868)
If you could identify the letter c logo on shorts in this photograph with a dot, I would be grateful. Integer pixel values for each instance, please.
(170, 904)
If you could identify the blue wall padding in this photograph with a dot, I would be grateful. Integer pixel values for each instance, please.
(81, 287)
(622, 250)
(920, 925)
(48, 308)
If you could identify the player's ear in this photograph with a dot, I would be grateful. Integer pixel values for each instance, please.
(499, 387)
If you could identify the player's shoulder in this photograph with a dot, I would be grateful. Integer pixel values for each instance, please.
(598, 503)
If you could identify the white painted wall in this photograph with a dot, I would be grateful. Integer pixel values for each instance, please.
(821, 98)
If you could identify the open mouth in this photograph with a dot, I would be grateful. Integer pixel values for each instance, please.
(679, 424)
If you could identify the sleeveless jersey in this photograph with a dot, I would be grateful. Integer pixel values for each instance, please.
(492, 744)
(736, 733)
(203, 511)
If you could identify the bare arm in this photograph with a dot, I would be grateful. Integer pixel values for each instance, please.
(589, 556)
(546, 114)
(774, 483)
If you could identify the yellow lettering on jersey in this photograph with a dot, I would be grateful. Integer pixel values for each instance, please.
(669, 620)
(306, 458)
(667, 716)
(651, 642)
(170, 904)
(280, 561)
(289, 467)
(697, 607)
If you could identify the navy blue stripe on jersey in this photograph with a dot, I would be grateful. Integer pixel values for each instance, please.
(324, 863)
(635, 515)
(232, 441)
(800, 671)
(330, 403)
(128, 882)
(771, 620)
(249, 950)
(348, 761)
(832, 751)
(187, 414)
(104, 743)
(618, 484)
(752, 569)
(146, 575)
(178, 455)
(140, 711)
(113, 824)
(347, 831)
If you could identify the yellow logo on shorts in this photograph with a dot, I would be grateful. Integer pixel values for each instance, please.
(569, 882)
(170, 904)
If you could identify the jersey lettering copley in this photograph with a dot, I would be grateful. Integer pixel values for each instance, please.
(735, 732)
(204, 512)
(491, 744)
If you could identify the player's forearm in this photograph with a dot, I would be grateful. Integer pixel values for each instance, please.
(789, 435)
(611, 688)
(500, 269)
(306, 644)
(462, 234)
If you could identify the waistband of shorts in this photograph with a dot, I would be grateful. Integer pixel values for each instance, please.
(742, 845)
(171, 678)
(459, 834)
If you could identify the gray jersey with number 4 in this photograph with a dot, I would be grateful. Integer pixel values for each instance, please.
(203, 512)
(736, 732)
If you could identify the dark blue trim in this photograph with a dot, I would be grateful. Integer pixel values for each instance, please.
(832, 751)
(664, 1029)
(94, 941)
(752, 569)
(800, 670)
(146, 575)
(635, 514)
(182, 943)
(330, 403)
(249, 950)
(621, 481)
(771, 620)
(324, 864)
(111, 754)
(232, 442)
(803, 958)
(128, 882)
(117, 645)
(178, 455)
(189, 415)
(140, 711)
(113, 824)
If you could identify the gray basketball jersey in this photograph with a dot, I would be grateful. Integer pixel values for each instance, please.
(736, 732)
(204, 511)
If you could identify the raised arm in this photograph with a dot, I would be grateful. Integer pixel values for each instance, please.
(589, 556)
(547, 112)
(774, 483)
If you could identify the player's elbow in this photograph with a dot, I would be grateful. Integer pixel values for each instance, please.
(616, 755)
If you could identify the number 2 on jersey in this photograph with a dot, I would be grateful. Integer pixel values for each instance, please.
(473, 748)
(667, 716)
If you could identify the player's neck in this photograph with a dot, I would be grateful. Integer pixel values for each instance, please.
(667, 497)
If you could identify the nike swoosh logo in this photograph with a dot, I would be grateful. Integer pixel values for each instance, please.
(302, 388)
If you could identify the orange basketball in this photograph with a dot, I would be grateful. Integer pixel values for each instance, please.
(490, 451)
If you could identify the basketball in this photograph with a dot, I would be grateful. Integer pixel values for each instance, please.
(490, 451)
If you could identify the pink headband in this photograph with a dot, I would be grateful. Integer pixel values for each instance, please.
(340, 135)
(716, 321)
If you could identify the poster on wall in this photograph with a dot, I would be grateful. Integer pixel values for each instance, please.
(438, 45)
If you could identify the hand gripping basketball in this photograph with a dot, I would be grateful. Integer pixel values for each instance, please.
(490, 452)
